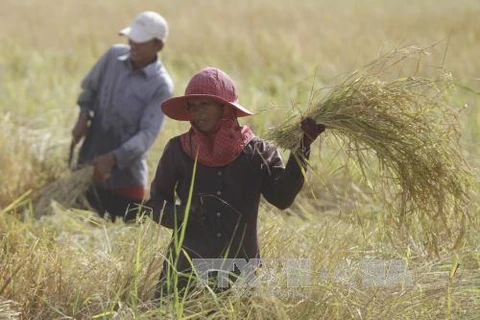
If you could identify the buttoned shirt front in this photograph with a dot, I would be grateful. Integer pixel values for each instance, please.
(227, 198)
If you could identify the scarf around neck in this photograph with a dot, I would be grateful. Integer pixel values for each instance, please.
(228, 142)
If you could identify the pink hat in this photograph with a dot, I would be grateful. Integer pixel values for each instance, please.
(207, 83)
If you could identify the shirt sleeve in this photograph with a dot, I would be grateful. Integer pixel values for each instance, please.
(91, 83)
(150, 124)
(282, 184)
(162, 190)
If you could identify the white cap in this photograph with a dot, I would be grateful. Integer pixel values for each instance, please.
(147, 25)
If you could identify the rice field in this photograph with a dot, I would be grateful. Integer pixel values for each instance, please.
(353, 244)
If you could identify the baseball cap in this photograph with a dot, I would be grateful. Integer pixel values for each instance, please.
(147, 25)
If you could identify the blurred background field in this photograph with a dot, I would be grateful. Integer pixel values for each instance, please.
(70, 265)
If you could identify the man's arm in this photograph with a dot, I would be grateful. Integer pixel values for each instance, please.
(80, 128)
(91, 84)
(150, 124)
(86, 99)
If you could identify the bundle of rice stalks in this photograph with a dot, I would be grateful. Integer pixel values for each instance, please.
(410, 127)
(68, 190)
(7, 312)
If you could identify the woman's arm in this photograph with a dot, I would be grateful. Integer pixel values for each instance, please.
(162, 189)
(282, 184)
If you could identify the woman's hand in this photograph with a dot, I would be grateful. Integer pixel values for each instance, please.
(311, 130)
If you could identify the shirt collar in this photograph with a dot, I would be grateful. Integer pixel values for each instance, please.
(149, 70)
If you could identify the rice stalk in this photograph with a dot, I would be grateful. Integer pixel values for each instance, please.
(7, 311)
(27, 158)
(409, 126)
(68, 190)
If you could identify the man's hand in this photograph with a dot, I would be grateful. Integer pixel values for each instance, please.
(311, 130)
(80, 129)
(103, 166)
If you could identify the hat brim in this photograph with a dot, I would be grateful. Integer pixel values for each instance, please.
(176, 108)
(135, 34)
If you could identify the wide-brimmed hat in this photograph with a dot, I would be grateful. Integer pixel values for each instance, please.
(147, 26)
(209, 83)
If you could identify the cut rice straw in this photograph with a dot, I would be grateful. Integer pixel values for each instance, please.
(411, 127)
(68, 190)
(7, 311)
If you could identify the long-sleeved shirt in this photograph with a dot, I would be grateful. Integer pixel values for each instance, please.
(126, 114)
(224, 223)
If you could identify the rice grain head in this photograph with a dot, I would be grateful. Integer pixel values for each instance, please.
(409, 125)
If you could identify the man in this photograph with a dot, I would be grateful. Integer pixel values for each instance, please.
(119, 116)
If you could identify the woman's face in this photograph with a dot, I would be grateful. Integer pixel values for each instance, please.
(204, 113)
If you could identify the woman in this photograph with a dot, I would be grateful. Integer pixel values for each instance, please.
(231, 168)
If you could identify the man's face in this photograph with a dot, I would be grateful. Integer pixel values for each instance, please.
(204, 113)
(143, 53)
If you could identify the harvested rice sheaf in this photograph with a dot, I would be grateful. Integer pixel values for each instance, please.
(68, 190)
(410, 126)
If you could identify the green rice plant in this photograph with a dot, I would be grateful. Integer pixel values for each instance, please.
(409, 126)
